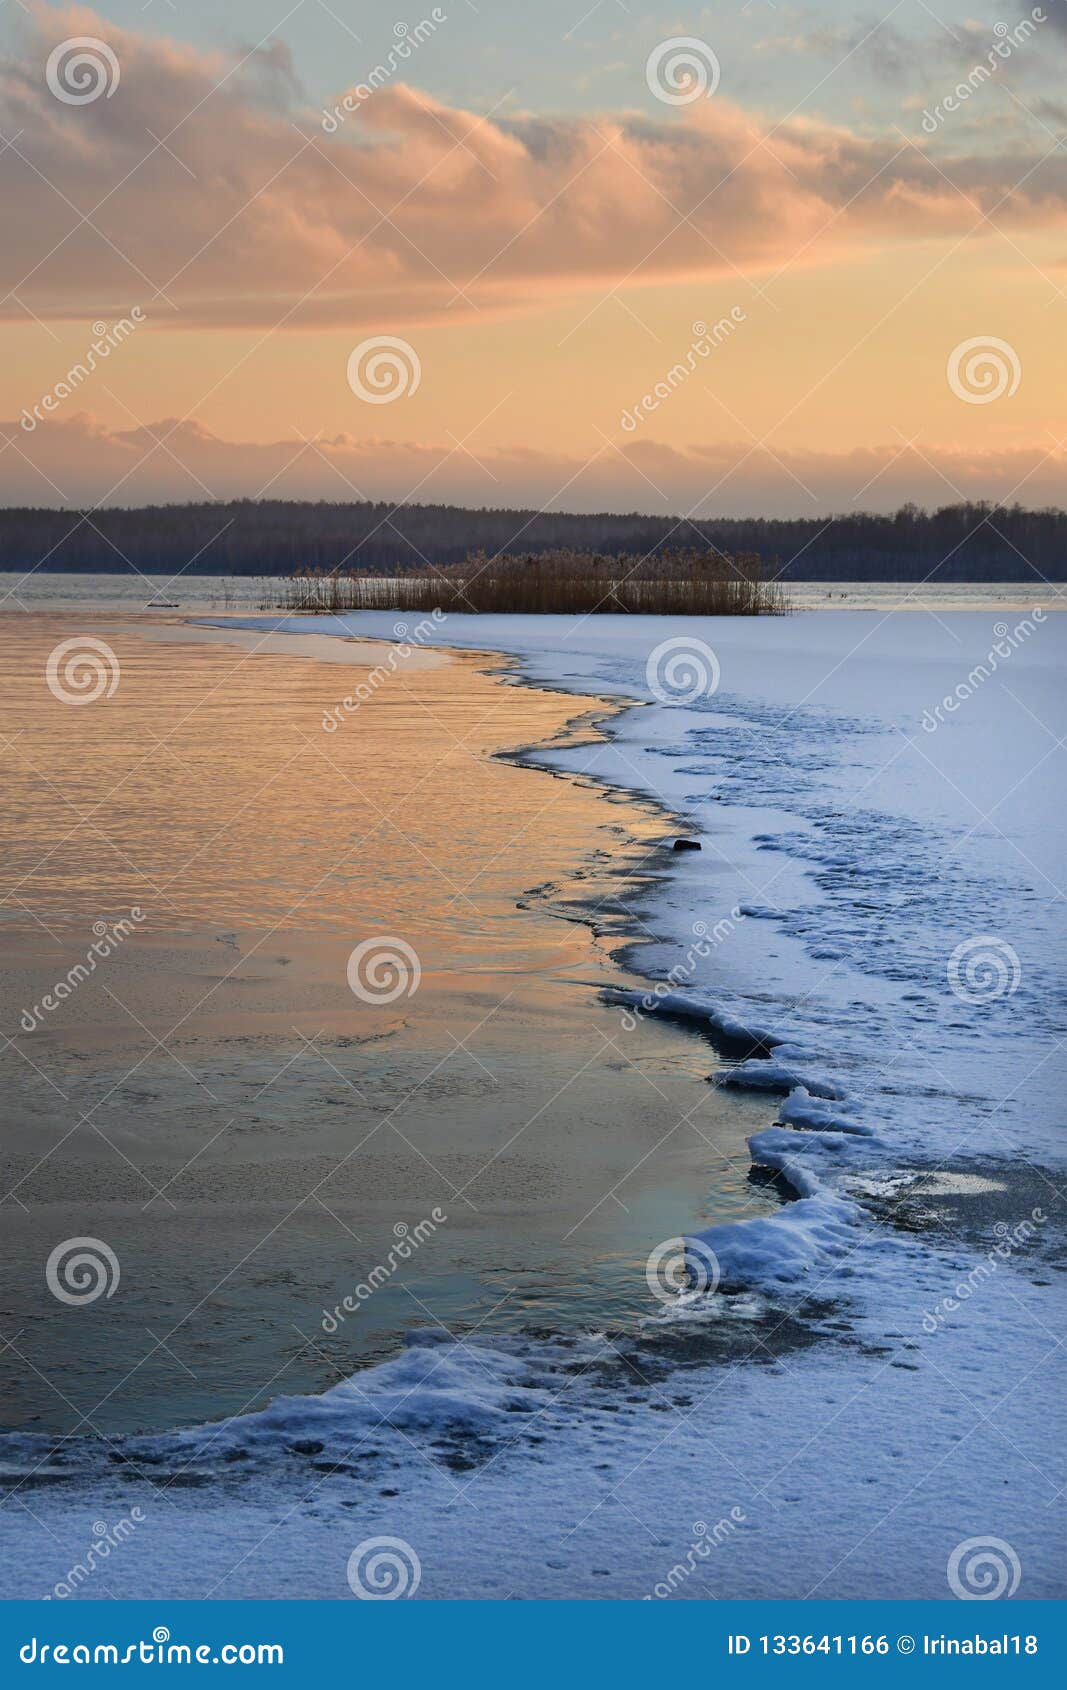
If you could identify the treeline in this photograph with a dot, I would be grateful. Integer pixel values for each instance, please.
(964, 542)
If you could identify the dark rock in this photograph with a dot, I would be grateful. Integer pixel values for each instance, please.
(686, 845)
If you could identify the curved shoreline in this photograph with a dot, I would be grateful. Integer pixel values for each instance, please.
(811, 1149)
(761, 1253)
(823, 1223)
(589, 905)
(813, 1443)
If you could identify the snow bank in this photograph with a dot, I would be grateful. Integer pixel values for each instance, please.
(776, 1076)
(816, 1114)
(435, 1387)
(724, 1028)
(780, 1251)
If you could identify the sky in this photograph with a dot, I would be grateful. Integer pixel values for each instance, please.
(756, 258)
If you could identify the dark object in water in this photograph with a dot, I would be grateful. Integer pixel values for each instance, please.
(667, 581)
(686, 845)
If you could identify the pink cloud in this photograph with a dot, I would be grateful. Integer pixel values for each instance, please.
(80, 461)
(252, 214)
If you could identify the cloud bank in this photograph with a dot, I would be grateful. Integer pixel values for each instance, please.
(80, 461)
(208, 188)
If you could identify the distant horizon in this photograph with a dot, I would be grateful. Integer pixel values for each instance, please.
(775, 265)
(485, 507)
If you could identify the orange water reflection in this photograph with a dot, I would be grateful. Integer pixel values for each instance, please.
(206, 789)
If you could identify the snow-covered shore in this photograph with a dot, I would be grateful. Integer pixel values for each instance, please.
(873, 930)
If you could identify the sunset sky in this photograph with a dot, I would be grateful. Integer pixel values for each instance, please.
(517, 204)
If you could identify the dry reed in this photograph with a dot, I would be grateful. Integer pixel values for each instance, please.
(669, 583)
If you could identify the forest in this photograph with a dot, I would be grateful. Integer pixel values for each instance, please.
(962, 542)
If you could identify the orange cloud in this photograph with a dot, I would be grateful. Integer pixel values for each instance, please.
(246, 211)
